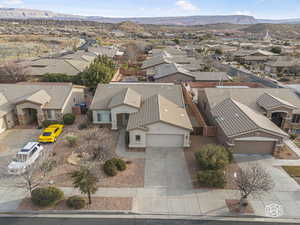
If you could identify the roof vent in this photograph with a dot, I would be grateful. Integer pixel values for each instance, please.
(166, 110)
(182, 115)
(237, 115)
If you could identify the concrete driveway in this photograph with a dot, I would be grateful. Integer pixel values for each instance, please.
(11, 142)
(166, 168)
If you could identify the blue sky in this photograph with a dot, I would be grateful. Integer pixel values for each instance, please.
(268, 9)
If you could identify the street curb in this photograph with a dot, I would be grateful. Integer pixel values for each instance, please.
(130, 215)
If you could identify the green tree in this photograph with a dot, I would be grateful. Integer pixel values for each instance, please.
(219, 51)
(276, 50)
(211, 157)
(101, 71)
(177, 42)
(85, 181)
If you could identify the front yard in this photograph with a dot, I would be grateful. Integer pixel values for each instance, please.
(197, 143)
(94, 145)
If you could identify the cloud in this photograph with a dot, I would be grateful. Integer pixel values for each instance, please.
(11, 2)
(186, 5)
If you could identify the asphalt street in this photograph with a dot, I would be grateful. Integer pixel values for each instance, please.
(116, 221)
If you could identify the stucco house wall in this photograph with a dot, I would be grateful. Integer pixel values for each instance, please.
(76, 96)
(159, 128)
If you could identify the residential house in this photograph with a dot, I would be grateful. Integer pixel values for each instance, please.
(175, 73)
(32, 103)
(284, 65)
(251, 120)
(154, 115)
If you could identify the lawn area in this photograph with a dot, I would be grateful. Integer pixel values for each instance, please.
(294, 172)
(297, 143)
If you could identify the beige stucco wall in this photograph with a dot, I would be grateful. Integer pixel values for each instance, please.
(23, 117)
(118, 110)
(133, 143)
(159, 128)
(76, 96)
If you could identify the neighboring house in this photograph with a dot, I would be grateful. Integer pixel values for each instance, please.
(32, 103)
(153, 114)
(251, 120)
(284, 65)
(42, 66)
(174, 73)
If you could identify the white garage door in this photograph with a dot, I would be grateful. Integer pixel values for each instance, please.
(164, 140)
(2, 125)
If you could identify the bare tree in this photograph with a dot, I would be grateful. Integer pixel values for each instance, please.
(13, 72)
(29, 180)
(252, 180)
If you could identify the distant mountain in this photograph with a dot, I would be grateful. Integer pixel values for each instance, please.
(16, 13)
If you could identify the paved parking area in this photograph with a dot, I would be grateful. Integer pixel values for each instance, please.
(11, 142)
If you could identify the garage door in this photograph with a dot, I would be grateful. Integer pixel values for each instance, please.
(254, 147)
(2, 125)
(163, 140)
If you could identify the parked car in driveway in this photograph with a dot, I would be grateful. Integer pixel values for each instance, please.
(51, 133)
(25, 158)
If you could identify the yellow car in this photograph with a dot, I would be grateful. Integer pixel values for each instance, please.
(51, 133)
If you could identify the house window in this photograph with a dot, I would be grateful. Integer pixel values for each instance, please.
(99, 117)
(110, 117)
(138, 138)
(296, 118)
(50, 114)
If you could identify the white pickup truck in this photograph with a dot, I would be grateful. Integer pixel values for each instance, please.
(25, 158)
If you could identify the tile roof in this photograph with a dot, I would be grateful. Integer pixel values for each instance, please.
(34, 91)
(39, 96)
(158, 109)
(105, 92)
(268, 101)
(126, 96)
(235, 119)
(249, 96)
(210, 76)
(170, 69)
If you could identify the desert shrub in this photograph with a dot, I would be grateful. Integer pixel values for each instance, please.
(212, 178)
(72, 140)
(47, 123)
(82, 126)
(46, 196)
(69, 118)
(212, 157)
(110, 168)
(119, 163)
(76, 202)
(293, 136)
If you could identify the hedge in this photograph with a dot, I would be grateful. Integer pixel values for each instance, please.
(213, 157)
(76, 202)
(212, 178)
(46, 196)
(69, 118)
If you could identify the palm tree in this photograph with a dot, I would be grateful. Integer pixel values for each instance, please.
(85, 181)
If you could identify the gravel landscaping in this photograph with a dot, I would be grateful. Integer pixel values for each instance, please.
(68, 159)
(98, 203)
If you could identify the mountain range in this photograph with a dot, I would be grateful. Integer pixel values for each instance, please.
(17, 13)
